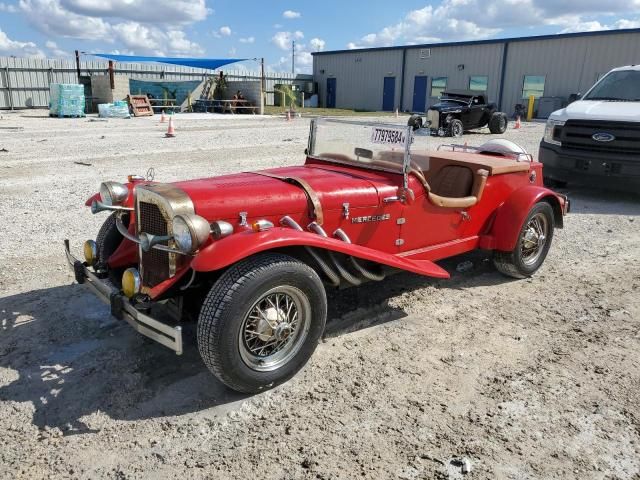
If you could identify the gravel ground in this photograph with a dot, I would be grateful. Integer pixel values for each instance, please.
(521, 379)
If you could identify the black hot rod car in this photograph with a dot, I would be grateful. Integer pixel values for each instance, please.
(459, 111)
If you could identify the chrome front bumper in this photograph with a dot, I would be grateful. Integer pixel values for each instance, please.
(122, 309)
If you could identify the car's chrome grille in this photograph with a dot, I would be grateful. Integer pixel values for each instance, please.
(578, 134)
(154, 263)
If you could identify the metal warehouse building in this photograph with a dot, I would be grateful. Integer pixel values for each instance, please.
(509, 70)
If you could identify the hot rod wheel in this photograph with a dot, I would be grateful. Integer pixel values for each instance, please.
(261, 322)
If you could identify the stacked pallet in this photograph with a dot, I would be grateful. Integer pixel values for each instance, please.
(66, 100)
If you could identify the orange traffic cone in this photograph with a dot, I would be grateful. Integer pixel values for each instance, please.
(517, 125)
(170, 131)
(162, 117)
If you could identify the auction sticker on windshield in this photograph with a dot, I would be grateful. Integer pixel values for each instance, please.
(388, 136)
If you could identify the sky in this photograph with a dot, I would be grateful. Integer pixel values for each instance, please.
(250, 29)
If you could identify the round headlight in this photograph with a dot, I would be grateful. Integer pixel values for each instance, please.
(90, 252)
(190, 232)
(113, 193)
(131, 282)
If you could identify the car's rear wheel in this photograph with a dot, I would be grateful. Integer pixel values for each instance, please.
(261, 322)
(498, 123)
(532, 246)
(456, 129)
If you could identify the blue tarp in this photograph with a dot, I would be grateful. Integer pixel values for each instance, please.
(208, 63)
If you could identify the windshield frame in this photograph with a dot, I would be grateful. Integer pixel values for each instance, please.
(587, 95)
(406, 163)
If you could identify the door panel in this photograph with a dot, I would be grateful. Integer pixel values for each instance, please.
(419, 94)
(389, 94)
(331, 93)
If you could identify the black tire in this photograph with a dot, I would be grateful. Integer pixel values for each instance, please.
(456, 129)
(107, 241)
(415, 121)
(228, 307)
(514, 263)
(498, 123)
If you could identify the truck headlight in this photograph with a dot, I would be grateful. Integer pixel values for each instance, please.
(113, 193)
(552, 131)
(190, 232)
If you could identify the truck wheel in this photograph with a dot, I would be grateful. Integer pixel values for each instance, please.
(107, 241)
(455, 128)
(498, 122)
(261, 322)
(415, 121)
(532, 246)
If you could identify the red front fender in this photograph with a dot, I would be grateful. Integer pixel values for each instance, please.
(234, 248)
(512, 213)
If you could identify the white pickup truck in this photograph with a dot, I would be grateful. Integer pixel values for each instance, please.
(596, 140)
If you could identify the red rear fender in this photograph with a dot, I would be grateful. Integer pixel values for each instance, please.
(512, 213)
(234, 248)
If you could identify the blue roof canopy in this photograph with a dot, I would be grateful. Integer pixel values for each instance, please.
(207, 63)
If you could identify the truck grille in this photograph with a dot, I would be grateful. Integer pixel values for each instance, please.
(577, 134)
(154, 263)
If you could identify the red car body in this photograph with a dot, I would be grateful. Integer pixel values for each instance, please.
(429, 232)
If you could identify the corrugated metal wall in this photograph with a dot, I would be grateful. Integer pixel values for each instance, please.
(24, 82)
(457, 64)
(359, 77)
(570, 65)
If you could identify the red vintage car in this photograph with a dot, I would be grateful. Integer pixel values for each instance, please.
(250, 255)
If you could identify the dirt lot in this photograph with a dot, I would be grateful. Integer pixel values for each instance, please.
(524, 379)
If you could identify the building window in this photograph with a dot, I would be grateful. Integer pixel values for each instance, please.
(438, 85)
(478, 83)
(533, 85)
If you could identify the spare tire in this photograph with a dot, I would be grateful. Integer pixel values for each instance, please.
(415, 121)
(498, 122)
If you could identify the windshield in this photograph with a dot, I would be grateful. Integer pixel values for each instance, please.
(620, 86)
(367, 144)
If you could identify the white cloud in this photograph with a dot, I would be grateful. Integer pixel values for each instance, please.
(248, 40)
(277, 26)
(14, 47)
(283, 40)
(317, 44)
(151, 40)
(291, 14)
(55, 51)
(51, 18)
(594, 26)
(225, 31)
(7, 7)
(160, 31)
(144, 11)
(452, 20)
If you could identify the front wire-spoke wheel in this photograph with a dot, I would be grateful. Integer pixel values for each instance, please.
(275, 328)
(532, 245)
(261, 321)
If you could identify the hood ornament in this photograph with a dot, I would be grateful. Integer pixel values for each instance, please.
(151, 174)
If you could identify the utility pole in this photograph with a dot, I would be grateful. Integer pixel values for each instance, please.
(293, 56)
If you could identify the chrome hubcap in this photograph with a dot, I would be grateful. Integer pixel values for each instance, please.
(534, 239)
(274, 328)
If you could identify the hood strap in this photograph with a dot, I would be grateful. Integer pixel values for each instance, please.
(312, 196)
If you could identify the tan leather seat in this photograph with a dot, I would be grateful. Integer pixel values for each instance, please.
(452, 181)
(458, 183)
